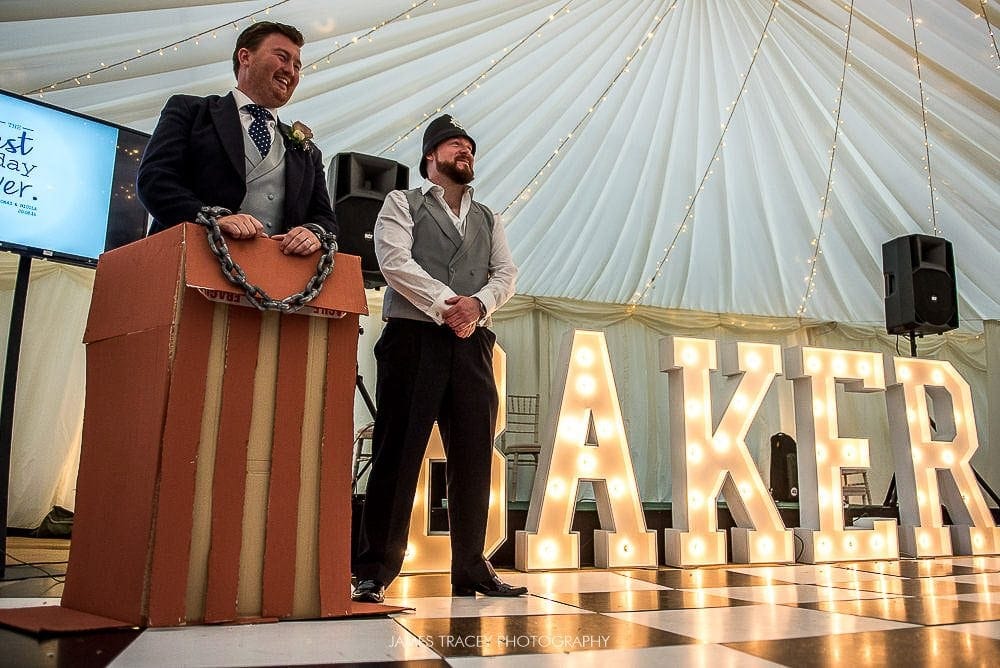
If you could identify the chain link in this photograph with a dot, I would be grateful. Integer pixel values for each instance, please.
(209, 216)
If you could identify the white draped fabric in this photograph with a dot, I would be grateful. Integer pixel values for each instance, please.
(49, 409)
(661, 165)
(48, 412)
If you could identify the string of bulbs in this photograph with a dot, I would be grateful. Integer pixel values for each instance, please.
(816, 249)
(525, 193)
(692, 199)
(213, 32)
(338, 47)
(475, 83)
(923, 121)
(124, 63)
(990, 33)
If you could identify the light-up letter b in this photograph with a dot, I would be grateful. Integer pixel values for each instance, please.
(430, 552)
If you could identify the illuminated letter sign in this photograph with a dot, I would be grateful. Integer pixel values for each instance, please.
(705, 464)
(933, 468)
(588, 405)
(821, 453)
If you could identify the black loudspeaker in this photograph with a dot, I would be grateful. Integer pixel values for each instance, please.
(358, 186)
(920, 292)
(784, 468)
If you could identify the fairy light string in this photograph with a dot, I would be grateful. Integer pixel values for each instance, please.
(525, 193)
(123, 64)
(817, 240)
(338, 47)
(475, 83)
(989, 31)
(692, 199)
(923, 121)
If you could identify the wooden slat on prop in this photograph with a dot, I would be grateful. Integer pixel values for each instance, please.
(335, 477)
(286, 458)
(178, 465)
(229, 478)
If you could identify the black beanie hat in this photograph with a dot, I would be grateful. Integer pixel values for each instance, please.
(441, 128)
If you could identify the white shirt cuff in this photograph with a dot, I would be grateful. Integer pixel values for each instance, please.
(439, 307)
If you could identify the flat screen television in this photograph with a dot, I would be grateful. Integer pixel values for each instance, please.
(67, 182)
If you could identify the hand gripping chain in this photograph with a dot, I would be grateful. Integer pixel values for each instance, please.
(208, 216)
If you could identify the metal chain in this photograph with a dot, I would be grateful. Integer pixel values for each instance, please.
(209, 216)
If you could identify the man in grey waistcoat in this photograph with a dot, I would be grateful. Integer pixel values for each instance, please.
(448, 267)
(233, 152)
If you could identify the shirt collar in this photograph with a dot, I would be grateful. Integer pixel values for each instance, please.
(242, 99)
(428, 185)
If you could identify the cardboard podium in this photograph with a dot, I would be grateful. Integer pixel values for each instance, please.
(215, 474)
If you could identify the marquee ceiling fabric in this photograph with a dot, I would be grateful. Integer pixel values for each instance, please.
(672, 153)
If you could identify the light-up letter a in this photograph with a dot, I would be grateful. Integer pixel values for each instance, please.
(588, 405)
(705, 464)
(932, 468)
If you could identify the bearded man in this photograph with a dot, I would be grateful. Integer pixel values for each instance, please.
(448, 267)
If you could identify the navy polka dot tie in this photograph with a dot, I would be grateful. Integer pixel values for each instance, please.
(258, 128)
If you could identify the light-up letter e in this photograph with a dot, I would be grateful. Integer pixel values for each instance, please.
(932, 462)
(430, 552)
(705, 464)
(822, 453)
(588, 405)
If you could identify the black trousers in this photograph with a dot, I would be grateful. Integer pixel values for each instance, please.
(426, 373)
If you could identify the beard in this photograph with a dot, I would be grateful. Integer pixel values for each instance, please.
(461, 174)
(259, 82)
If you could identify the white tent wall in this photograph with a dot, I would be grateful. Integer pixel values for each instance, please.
(48, 408)
(50, 392)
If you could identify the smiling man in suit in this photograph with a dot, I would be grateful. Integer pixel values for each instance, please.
(233, 152)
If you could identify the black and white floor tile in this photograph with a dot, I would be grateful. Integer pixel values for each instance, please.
(908, 613)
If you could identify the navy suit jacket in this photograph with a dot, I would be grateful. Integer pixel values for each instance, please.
(195, 158)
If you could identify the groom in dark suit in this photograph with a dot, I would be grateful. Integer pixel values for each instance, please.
(233, 152)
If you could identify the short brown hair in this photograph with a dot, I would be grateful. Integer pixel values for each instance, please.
(255, 34)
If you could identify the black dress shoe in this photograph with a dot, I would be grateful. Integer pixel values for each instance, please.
(492, 586)
(369, 591)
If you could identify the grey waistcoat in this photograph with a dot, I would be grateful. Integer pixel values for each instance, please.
(461, 263)
(265, 198)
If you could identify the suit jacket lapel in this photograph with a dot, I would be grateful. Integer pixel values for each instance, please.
(295, 170)
(226, 118)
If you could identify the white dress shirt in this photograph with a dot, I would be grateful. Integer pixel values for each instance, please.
(394, 243)
(242, 100)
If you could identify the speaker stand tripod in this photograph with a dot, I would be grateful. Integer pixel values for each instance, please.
(360, 384)
(912, 336)
(892, 499)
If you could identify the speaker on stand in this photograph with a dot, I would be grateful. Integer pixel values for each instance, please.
(920, 292)
(921, 297)
(358, 185)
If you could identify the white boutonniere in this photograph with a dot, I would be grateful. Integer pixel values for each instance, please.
(299, 135)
